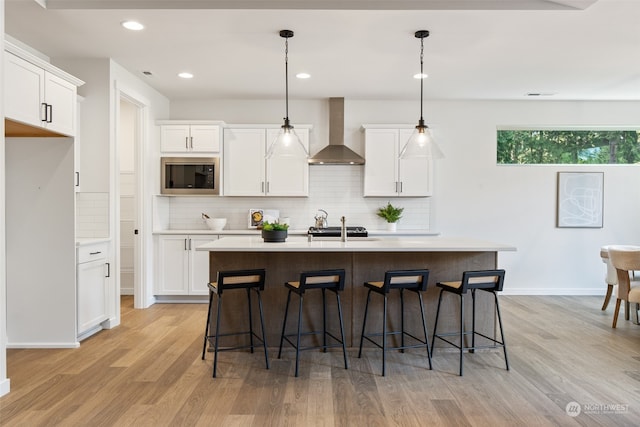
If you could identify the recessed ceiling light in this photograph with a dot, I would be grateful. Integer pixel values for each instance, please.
(133, 25)
(185, 75)
(303, 75)
(540, 94)
(147, 73)
(420, 76)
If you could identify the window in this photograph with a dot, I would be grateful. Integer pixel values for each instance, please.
(571, 147)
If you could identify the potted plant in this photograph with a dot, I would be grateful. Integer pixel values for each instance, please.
(391, 214)
(274, 231)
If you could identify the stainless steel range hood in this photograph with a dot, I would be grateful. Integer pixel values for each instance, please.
(336, 153)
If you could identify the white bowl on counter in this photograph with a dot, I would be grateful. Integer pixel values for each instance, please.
(216, 223)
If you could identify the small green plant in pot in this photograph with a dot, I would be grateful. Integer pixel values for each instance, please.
(391, 214)
(274, 231)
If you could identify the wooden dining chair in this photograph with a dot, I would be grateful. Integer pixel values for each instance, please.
(626, 259)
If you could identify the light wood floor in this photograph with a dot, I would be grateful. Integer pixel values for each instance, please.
(148, 372)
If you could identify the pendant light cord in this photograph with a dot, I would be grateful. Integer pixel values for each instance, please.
(421, 74)
(286, 76)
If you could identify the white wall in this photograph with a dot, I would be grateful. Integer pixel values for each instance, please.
(473, 196)
(4, 380)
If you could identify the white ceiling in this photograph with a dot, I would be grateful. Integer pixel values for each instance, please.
(478, 49)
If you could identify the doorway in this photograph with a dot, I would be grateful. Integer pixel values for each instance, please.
(129, 223)
(127, 143)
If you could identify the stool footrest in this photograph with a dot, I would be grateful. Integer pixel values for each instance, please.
(402, 347)
(498, 344)
(293, 344)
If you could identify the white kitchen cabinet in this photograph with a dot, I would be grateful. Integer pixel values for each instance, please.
(77, 153)
(181, 269)
(39, 98)
(387, 176)
(248, 173)
(93, 273)
(190, 138)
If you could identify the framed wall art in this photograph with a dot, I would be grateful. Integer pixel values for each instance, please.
(580, 199)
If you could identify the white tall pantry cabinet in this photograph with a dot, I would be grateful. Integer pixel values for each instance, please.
(40, 203)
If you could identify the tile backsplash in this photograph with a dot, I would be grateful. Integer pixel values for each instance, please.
(92, 215)
(335, 188)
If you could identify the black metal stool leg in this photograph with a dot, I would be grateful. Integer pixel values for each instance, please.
(504, 344)
(461, 330)
(264, 333)
(402, 319)
(344, 345)
(424, 327)
(364, 322)
(284, 323)
(435, 326)
(215, 351)
(473, 321)
(208, 326)
(384, 337)
(299, 329)
(324, 321)
(250, 319)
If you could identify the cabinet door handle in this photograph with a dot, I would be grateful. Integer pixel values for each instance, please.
(186, 142)
(50, 113)
(44, 112)
(95, 253)
(189, 244)
(185, 244)
(262, 187)
(401, 186)
(268, 187)
(191, 142)
(77, 179)
(108, 270)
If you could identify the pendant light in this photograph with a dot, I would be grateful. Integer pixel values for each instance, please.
(421, 143)
(287, 143)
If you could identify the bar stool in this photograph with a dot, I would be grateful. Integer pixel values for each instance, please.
(325, 280)
(483, 280)
(409, 280)
(229, 280)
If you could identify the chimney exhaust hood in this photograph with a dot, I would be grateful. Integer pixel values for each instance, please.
(336, 153)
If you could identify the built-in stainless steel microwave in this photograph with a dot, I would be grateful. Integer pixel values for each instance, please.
(190, 176)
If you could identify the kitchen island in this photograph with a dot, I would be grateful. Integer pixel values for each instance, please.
(364, 259)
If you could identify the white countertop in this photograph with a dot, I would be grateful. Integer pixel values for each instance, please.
(81, 241)
(387, 244)
(293, 232)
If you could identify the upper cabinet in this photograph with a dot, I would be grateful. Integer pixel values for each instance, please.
(248, 173)
(40, 99)
(387, 176)
(190, 137)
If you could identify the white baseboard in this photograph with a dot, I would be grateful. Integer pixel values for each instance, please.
(75, 344)
(126, 291)
(5, 386)
(554, 291)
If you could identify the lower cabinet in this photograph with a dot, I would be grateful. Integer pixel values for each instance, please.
(93, 272)
(181, 270)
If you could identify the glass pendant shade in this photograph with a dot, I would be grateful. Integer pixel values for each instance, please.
(421, 144)
(287, 144)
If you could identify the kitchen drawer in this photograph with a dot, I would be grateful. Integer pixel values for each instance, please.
(92, 252)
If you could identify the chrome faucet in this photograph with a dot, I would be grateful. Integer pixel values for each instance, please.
(343, 229)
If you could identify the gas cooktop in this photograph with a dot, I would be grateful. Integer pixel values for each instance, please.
(335, 231)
